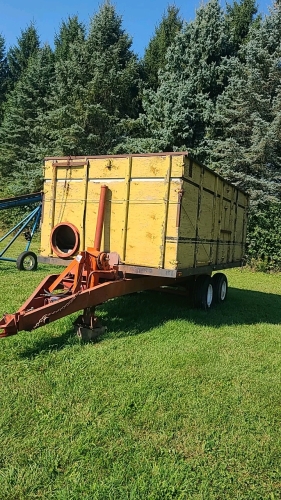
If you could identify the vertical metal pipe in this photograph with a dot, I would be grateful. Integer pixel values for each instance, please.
(100, 218)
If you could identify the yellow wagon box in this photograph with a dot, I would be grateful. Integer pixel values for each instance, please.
(137, 222)
(165, 212)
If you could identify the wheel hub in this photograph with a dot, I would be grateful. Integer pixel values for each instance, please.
(209, 295)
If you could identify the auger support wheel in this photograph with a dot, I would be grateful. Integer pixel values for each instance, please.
(27, 261)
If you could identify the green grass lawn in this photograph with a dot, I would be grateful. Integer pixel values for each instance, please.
(172, 403)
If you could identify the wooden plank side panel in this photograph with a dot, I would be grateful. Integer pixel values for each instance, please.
(231, 237)
(47, 170)
(47, 223)
(197, 217)
(145, 222)
(69, 202)
(242, 199)
(144, 207)
(70, 173)
(112, 238)
(209, 181)
(187, 229)
(224, 229)
(219, 222)
(240, 237)
(144, 199)
(152, 211)
(108, 168)
(200, 185)
(156, 166)
(64, 199)
(206, 216)
(205, 225)
(68, 207)
(172, 231)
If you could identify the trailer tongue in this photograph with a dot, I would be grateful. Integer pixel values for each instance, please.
(88, 281)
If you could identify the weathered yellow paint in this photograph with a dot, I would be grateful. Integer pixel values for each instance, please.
(143, 207)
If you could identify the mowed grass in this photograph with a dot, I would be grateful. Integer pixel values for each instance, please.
(171, 403)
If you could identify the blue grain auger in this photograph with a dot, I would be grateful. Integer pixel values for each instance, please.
(27, 226)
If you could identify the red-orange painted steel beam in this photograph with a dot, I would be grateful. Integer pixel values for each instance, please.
(29, 318)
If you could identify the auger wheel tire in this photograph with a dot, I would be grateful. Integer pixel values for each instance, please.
(27, 261)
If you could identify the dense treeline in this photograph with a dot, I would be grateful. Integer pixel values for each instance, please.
(211, 86)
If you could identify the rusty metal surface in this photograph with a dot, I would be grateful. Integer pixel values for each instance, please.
(174, 274)
(81, 286)
(69, 162)
(53, 261)
(152, 271)
(74, 158)
(36, 312)
(53, 239)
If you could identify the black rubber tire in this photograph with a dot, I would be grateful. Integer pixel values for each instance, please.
(203, 292)
(220, 288)
(27, 261)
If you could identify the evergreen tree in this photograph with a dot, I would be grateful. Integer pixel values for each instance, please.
(244, 143)
(19, 55)
(22, 143)
(64, 123)
(155, 53)
(177, 114)
(3, 75)
(71, 32)
(240, 18)
(67, 90)
(113, 66)
(264, 237)
(96, 89)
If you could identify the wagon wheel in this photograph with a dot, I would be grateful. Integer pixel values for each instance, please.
(220, 286)
(203, 292)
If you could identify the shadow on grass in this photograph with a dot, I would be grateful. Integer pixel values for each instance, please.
(147, 310)
(49, 343)
(138, 313)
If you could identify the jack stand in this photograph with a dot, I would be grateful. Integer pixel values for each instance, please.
(88, 326)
